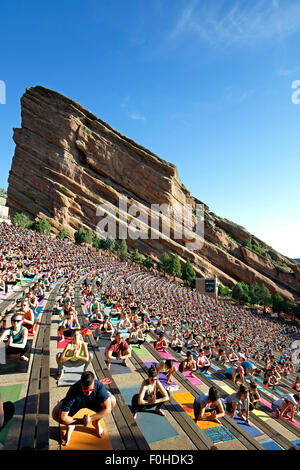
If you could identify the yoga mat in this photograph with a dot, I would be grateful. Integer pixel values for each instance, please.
(268, 444)
(139, 351)
(186, 401)
(193, 380)
(227, 389)
(264, 402)
(116, 367)
(297, 425)
(249, 429)
(9, 393)
(154, 427)
(261, 414)
(14, 365)
(70, 376)
(163, 354)
(61, 344)
(84, 437)
(162, 377)
(208, 375)
(219, 434)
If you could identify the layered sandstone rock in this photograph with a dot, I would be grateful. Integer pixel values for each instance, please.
(67, 162)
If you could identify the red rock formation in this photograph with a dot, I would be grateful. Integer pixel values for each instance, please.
(67, 162)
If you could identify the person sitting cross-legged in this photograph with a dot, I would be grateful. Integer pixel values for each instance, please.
(151, 394)
(86, 393)
(17, 336)
(118, 349)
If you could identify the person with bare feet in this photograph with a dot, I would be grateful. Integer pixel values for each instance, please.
(86, 393)
(17, 336)
(118, 349)
(152, 393)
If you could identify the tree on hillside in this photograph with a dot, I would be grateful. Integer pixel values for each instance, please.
(174, 268)
(254, 293)
(265, 297)
(88, 237)
(41, 226)
(79, 236)
(148, 262)
(165, 261)
(20, 220)
(277, 303)
(122, 250)
(188, 273)
(240, 292)
(136, 257)
(62, 234)
(109, 244)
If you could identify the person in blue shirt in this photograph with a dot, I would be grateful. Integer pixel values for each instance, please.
(235, 373)
(86, 393)
(249, 369)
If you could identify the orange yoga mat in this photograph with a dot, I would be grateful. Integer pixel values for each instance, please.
(186, 401)
(84, 437)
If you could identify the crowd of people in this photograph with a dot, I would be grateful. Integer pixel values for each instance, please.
(142, 301)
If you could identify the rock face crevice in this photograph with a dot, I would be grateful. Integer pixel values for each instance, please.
(67, 162)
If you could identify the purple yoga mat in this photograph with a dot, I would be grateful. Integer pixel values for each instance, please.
(162, 377)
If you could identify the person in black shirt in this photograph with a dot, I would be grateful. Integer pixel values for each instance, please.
(86, 393)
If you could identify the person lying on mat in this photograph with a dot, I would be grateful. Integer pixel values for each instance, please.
(118, 349)
(286, 404)
(152, 393)
(188, 364)
(17, 336)
(104, 328)
(167, 367)
(239, 402)
(209, 407)
(235, 374)
(86, 393)
(68, 325)
(75, 354)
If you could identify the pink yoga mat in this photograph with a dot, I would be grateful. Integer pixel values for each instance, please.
(62, 344)
(264, 402)
(193, 380)
(162, 353)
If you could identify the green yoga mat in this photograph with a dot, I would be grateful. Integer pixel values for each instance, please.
(139, 351)
(154, 427)
(9, 393)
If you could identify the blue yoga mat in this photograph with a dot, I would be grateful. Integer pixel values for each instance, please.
(297, 442)
(154, 427)
(270, 445)
(251, 430)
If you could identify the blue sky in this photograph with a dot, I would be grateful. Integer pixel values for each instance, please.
(206, 85)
